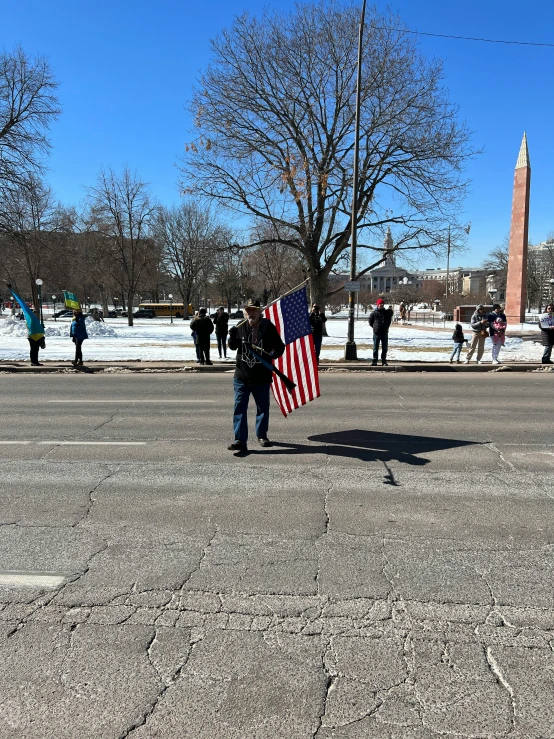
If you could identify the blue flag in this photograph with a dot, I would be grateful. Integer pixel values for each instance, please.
(34, 326)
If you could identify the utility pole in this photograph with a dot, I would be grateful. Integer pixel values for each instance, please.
(448, 263)
(350, 347)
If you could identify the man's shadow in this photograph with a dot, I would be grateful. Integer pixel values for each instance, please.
(368, 446)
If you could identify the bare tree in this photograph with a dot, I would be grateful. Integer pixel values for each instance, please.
(192, 239)
(33, 244)
(275, 118)
(275, 267)
(123, 211)
(28, 105)
(540, 269)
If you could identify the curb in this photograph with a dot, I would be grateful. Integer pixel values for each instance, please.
(334, 367)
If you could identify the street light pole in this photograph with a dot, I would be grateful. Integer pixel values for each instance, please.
(448, 262)
(54, 301)
(350, 348)
(170, 296)
(38, 283)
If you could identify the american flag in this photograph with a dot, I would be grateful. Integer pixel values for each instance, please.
(291, 318)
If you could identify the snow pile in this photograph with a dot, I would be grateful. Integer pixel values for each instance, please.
(13, 327)
(97, 328)
(57, 330)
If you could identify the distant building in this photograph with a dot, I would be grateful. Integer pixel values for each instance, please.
(386, 277)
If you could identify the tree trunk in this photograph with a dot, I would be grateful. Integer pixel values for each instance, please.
(129, 308)
(104, 301)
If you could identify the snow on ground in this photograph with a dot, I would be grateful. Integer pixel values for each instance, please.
(157, 339)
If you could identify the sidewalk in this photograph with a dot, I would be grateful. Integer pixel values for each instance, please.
(219, 367)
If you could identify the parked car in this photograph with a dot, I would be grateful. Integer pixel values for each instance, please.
(144, 313)
(237, 314)
(63, 313)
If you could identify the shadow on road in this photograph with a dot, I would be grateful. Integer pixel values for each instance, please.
(368, 446)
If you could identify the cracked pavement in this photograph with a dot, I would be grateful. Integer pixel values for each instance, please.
(383, 571)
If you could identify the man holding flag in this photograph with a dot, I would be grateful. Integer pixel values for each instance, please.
(257, 342)
(283, 334)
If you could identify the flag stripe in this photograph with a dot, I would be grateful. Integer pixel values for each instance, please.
(305, 366)
(290, 317)
(285, 403)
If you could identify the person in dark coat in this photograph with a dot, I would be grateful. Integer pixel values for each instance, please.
(251, 376)
(317, 322)
(221, 323)
(203, 328)
(497, 330)
(380, 320)
(458, 338)
(78, 333)
(547, 333)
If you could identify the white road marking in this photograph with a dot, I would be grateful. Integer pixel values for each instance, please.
(16, 442)
(165, 400)
(95, 443)
(30, 579)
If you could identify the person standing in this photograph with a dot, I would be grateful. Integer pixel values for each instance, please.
(34, 345)
(317, 322)
(458, 338)
(403, 312)
(221, 323)
(251, 376)
(193, 334)
(203, 328)
(497, 330)
(380, 321)
(480, 327)
(78, 333)
(547, 333)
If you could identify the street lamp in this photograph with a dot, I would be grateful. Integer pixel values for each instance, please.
(350, 347)
(38, 283)
(54, 301)
(170, 296)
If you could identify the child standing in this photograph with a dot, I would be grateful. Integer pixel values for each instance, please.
(458, 338)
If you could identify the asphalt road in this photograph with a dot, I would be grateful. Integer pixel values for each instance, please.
(383, 571)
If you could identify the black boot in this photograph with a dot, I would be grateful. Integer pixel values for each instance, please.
(384, 363)
(374, 363)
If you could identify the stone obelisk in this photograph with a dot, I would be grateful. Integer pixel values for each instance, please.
(516, 286)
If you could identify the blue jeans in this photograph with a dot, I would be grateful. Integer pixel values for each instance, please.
(457, 350)
(240, 418)
(382, 339)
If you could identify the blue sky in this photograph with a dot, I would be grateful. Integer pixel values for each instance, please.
(126, 70)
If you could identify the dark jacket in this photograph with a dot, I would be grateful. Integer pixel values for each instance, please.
(202, 327)
(476, 325)
(380, 321)
(78, 328)
(221, 323)
(547, 336)
(317, 321)
(493, 316)
(458, 336)
(249, 369)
